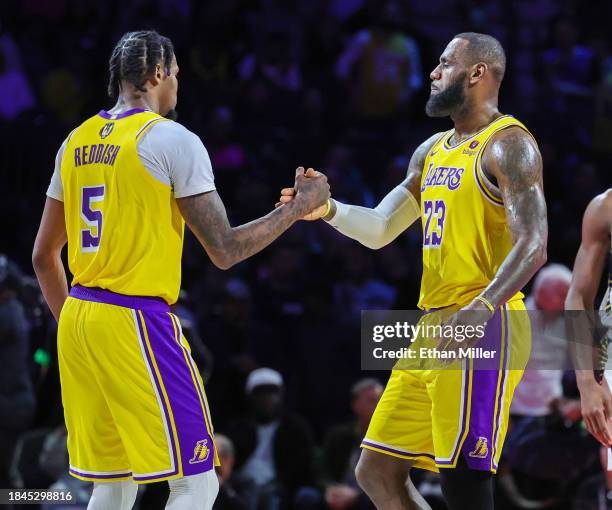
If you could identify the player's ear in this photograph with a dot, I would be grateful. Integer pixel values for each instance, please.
(157, 75)
(478, 72)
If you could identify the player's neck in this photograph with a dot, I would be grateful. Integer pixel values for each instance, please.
(472, 120)
(130, 102)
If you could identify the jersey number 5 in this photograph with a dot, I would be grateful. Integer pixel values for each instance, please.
(90, 237)
(435, 213)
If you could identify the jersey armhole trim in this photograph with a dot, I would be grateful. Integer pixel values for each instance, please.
(148, 126)
(488, 189)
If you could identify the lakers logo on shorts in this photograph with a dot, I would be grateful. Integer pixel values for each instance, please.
(200, 452)
(481, 450)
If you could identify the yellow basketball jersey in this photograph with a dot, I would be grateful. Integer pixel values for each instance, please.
(465, 232)
(125, 232)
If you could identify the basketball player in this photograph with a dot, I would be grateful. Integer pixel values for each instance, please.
(595, 396)
(125, 182)
(478, 191)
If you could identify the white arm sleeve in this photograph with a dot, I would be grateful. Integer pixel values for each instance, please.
(377, 227)
(176, 156)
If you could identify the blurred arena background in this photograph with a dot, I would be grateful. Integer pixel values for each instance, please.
(268, 85)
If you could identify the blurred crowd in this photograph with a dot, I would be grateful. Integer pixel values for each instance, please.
(268, 85)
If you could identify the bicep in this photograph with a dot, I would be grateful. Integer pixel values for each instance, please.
(515, 161)
(51, 236)
(591, 255)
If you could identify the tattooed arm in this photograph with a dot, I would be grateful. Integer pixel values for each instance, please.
(226, 245)
(513, 159)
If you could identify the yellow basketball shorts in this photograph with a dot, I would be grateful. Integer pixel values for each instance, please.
(432, 416)
(134, 402)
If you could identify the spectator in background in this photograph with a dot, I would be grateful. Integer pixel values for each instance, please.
(602, 136)
(341, 450)
(276, 63)
(361, 289)
(546, 447)
(228, 498)
(381, 66)
(569, 65)
(16, 95)
(541, 386)
(571, 76)
(348, 181)
(275, 449)
(17, 402)
(228, 156)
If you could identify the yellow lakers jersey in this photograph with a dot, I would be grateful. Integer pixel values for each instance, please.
(125, 232)
(465, 232)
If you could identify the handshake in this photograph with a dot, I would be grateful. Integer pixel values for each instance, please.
(311, 193)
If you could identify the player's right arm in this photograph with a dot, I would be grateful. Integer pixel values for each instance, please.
(46, 256)
(226, 245)
(376, 227)
(50, 240)
(596, 399)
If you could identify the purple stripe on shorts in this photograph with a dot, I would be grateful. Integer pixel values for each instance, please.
(479, 443)
(99, 477)
(104, 114)
(500, 401)
(193, 366)
(151, 335)
(148, 303)
(365, 442)
(196, 444)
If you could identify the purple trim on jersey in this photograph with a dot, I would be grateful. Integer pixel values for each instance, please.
(75, 471)
(488, 195)
(365, 442)
(104, 114)
(183, 395)
(149, 303)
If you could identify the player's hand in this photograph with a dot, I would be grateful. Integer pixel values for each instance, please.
(471, 320)
(596, 404)
(339, 497)
(289, 194)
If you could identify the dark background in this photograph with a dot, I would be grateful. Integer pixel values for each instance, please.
(259, 84)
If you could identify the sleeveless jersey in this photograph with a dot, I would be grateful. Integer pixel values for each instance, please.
(465, 232)
(125, 231)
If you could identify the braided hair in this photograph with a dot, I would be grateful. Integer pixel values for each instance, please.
(134, 59)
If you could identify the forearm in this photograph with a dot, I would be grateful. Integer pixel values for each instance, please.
(525, 258)
(52, 280)
(579, 316)
(376, 227)
(248, 239)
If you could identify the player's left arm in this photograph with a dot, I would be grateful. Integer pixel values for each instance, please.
(514, 160)
(47, 256)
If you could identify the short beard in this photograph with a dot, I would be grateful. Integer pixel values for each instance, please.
(172, 114)
(446, 102)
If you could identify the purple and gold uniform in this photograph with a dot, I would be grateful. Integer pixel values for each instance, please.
(133, 398)
(432, 416)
